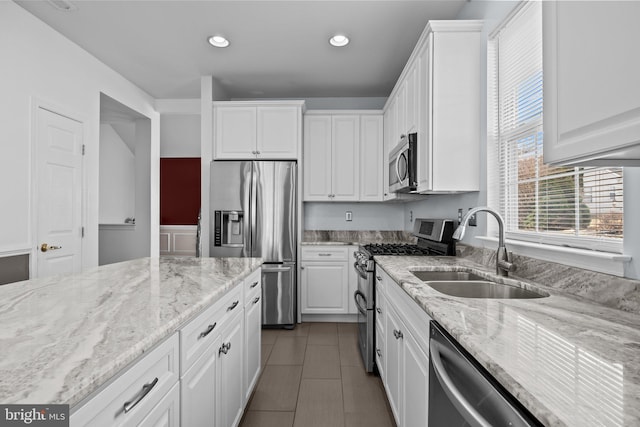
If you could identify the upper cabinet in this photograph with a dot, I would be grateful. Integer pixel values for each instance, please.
(591, 86)
(257, 130)
(438, 97)
(343, 156)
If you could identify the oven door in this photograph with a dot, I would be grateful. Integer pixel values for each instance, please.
(366, 322)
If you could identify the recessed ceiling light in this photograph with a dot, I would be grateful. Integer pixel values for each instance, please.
(218, 41)
(339, 40)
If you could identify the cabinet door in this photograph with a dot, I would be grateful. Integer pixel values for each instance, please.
(415, 384)
(317, 158)
(390, 141)
(591, 90)
(324, 288)
(252, 340)
(167, 412)
(278, 132)
(353, 283)
(393, 351)
(345, 157)
(371, 161)
(401, 106)
(235, 132)
(381, 338)
(230, 373)
(412, 94)
(425, 117)
(198, 390)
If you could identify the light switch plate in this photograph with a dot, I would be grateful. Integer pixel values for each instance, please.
(348, 216)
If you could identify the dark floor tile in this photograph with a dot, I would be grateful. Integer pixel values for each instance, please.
(277, 389)
(321, 361)
(288, 351)
(320, 404)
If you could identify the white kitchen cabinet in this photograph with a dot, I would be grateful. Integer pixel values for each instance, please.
(229, 371)
(325, 280)
(406, 348)
(251, 130)
(390, 141)
(167, 411)
(438, 97)
(198, 389)
(353, 281)
(140, 389)
(371, 159)
(343, 156)
(591, 89)
(381, 325)
(252, 332)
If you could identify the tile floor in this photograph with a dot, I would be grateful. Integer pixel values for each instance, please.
(313, 377)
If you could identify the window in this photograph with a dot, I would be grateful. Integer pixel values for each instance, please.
(570, 206)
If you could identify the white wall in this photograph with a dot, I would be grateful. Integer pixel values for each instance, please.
(366, 216)
(180, 135)
(39, 64)
(117, 178)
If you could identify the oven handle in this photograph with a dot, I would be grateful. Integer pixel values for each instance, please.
(361, 272)
(465, 408)
(357, 294)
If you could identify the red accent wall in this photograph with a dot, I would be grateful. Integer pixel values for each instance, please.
(179, 190)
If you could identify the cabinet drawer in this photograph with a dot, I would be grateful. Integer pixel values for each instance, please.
(200, 332)
(131, 397)
(381, 311)
(379, 351)
(325, 253)
(252, 286)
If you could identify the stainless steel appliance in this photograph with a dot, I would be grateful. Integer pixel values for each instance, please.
(403, 165)
(434, 239)
(253, 208)
(461, 393)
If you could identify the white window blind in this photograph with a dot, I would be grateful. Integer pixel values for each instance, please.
(578, 207)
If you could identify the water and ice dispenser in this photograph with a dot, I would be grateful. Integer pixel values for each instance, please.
(229, 228)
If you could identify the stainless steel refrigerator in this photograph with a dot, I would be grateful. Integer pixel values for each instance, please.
(253, 214)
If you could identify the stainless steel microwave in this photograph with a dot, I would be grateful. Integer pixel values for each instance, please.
(403, 164)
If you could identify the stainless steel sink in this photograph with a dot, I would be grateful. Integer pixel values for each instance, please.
(445, 276)
(482, 289)
(469, 285)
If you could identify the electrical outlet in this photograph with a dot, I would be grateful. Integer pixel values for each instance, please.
(410, 216)
(348, 216)
(473, 222)
(459, 215)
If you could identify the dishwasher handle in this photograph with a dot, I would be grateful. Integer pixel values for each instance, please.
(455, 396)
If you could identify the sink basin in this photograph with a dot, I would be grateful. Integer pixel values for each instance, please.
(482, 289)
(445, 276)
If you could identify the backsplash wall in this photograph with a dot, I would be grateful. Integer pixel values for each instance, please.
(366, 216)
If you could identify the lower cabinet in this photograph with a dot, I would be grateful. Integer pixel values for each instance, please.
(229, 371)
(404, 341)
(202, 376)
(325, 280)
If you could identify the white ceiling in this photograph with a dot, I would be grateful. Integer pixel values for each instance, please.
(279, 49)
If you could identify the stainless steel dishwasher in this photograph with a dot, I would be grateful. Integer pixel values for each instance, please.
(462, 394)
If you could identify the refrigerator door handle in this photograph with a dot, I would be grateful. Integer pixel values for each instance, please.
(246, 207)
(253, 208)
(275, 269)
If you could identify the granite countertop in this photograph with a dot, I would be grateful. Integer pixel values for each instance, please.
(354, 237)
(571, 362)
(63, 337)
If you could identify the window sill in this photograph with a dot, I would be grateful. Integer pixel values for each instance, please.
(603, 262)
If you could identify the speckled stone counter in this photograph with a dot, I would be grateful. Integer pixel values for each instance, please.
(354, 237)
(63, 337)
(570, 361)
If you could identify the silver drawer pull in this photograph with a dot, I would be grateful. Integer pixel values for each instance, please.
(256, 299)
(232, 306)
(324, 254)
(224, 348)
(208, 331)
(397, 334)
(141, 394)
(254, 284)
(379, 352)
(378, 310)
(379, 278)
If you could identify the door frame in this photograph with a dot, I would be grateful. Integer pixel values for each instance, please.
(36, 104)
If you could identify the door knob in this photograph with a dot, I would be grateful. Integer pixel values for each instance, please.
(45, 247)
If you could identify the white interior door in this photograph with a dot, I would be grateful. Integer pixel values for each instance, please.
(58, 194)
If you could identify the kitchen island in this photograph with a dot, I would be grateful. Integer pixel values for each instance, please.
(569, 361)
(64, 337)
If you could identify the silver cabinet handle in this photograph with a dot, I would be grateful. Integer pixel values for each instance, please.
(232, 306)
(397, 334)
(324, 254)
(141, 394)
(208, 330)
(379, 278)
(378, 352)
(224, 348)
(378, 310)
(256, 299)
(254, 284)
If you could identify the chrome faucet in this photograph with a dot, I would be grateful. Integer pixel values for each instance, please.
(504, 259)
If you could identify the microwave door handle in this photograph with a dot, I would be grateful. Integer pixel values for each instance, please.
(398, 167)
